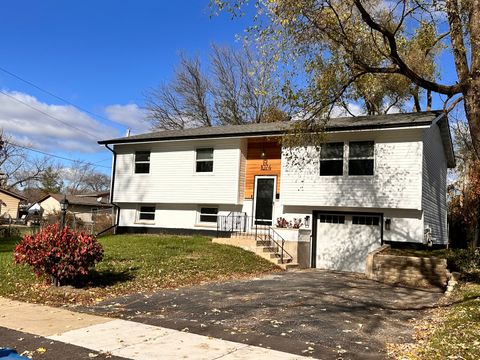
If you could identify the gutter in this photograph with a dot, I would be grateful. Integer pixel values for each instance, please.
(112, 187)
(278, 132)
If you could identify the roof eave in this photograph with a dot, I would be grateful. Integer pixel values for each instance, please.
(262, 133)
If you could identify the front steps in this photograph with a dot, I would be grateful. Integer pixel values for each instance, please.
(261, 248)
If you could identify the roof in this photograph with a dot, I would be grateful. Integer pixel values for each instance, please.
(76, 200)
(95, 194)
(279, 128)
(13, 194)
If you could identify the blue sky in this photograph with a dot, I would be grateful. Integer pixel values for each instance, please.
(99, 55)
(102, 56)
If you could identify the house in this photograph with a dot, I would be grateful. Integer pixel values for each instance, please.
(9, 204)
(374, 180)
(83, 207)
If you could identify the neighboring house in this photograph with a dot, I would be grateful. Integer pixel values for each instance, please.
(9, 203)
(101, 197)
(83, 207)
(377, 179)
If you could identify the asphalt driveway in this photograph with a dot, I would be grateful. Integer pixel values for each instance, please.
(315, 313)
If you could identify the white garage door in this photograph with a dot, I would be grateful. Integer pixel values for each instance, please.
(344, 240)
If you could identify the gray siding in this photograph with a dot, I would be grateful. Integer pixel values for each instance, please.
(434, 185)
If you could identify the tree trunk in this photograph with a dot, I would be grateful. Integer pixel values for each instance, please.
(472, 109)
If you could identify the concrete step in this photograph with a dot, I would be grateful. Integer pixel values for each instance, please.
(289, 266)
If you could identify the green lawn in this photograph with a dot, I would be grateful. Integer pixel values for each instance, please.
(458, 336)
(134, 263)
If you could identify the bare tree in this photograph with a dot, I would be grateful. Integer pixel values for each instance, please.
(238, 89)
(82, 178)
(17, 167)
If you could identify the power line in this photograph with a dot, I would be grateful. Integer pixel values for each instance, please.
(59, 97)
(59, 157)
(47, 114)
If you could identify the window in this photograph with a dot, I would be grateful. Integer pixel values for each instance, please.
(366, 220)
(332, 219)
(204, 160)
(331, 159)
(208, 214)
(146, 213)
(142, 162)
(360, 159)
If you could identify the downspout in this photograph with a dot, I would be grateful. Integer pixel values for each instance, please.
(112, 187)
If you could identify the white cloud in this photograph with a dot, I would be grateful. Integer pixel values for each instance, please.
(354, 109)
(130, 115)
(33, 123)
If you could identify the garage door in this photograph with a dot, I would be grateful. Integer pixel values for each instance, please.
(344, 240)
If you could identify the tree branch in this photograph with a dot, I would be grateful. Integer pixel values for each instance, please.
(394, 55)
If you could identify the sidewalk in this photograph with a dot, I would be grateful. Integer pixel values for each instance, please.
(123, 338)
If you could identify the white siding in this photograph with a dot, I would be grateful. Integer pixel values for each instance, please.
(396, 182)
(406, 225)
(172, 177)
(434, 194)
(173, 216)
(242, 170)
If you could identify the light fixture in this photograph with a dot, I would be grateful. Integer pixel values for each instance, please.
(263, 155)
(388, 223)
(64, 203)
(307, 221)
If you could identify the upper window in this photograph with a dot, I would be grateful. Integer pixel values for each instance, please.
(146, 213)
(331, 159)
(208, 214)
(142, 162)
(360, 158)
(204, 160)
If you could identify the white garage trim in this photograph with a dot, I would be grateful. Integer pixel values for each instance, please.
(344, 223)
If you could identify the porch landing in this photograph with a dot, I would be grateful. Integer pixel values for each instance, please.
(261, 248)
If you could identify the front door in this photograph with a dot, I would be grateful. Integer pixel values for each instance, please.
(264, 199)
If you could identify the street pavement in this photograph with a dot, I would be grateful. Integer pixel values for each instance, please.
(53, 333)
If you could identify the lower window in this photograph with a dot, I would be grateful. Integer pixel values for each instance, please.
(146, 212)
(208, 214)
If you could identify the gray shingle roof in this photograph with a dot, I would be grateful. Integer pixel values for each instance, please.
(278, 128)
(76, 200)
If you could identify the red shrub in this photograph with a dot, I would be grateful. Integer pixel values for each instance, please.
(65, 255)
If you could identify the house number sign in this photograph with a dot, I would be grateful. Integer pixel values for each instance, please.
(265, 166)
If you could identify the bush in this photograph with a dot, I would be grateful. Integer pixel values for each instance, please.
(64, 256)
(463, 260)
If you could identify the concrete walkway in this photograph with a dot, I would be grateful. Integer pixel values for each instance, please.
(123, 338)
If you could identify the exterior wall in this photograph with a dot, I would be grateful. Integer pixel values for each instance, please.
(11, 205)
(406, 225)
(173, 216)
(256, 166)
(434, 185)
(172, 177)
(242, 170)
(396, 183)
(50, 205)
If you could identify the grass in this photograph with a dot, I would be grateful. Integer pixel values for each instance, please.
(451, 331)
(458, 336)
(135, 263)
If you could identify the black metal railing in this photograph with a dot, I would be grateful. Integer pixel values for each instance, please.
(237, 224)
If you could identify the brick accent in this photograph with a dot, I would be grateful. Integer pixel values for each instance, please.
(419, 272)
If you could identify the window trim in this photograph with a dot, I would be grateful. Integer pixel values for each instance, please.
(207, 223)
(362, 158)
(203, 173)
(135, 162)
(145, 221)
(332, 159)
